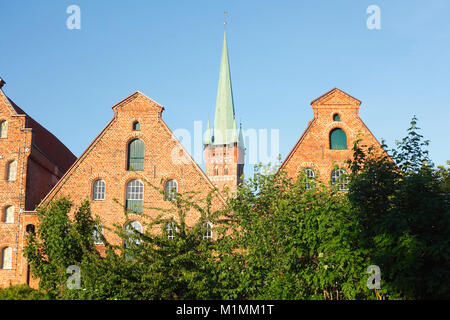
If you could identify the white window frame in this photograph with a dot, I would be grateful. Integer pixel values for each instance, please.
(208, 235)
(171, 230)
(99, 190)
(136, 226)
(169, 192)
(96, 234)
(310, 175)
(336, 177)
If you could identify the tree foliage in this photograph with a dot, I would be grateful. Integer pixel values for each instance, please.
(278, 238)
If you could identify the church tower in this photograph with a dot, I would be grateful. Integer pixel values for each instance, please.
(224, 149)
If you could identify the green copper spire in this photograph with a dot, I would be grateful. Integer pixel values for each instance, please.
(241, 137)
(207, 139)
(225, 130)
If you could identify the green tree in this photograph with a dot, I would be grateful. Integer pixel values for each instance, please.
(288, 242)
(59, 243)
(405, 218)
(158, 263)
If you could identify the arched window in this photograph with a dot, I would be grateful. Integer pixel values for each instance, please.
(6, 258)
(131, 229)
(216, 170)
(171, 189)
(225, 171)
(336, 117)
(97, 234)
(136, 151)
(340, 176)
(12, 171)
(3, 129)
(8, 216)
(135, 196)
(338, 139)
(136, 126)
(208, 235)
(310, 174)
(171, 230)
(98, 190)
(30, 229)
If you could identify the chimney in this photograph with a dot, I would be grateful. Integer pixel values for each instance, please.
(2, 83)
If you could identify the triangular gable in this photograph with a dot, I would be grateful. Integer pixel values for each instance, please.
(336, 97)
(99, 137)
(5, 100)
(134, 96)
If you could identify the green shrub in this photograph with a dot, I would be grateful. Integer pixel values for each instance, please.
(21, 292)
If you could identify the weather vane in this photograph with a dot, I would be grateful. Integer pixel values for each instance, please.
(225, 19)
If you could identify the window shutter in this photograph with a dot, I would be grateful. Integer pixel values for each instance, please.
(136, 151)
(338, 139)
(134, 206)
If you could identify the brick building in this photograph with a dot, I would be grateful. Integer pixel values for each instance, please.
(327, 142)
(32, 160)
(137, 147)
(135, 151)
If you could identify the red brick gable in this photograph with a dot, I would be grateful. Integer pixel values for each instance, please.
(105, 158)
(336, 97)
(313, 151)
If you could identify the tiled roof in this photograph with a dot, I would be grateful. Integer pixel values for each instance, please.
(47, 143)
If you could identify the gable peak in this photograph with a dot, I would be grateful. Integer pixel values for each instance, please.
(336, 97)
(137, 95)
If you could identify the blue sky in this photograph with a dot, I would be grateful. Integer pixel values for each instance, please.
(283, 55)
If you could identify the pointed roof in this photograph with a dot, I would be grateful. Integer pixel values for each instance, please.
(225, 130)
(336, 97)
(207, 139)
(241, 138)
(43, 140)
(53, 192)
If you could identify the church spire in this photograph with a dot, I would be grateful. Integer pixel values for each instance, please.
(225, 131)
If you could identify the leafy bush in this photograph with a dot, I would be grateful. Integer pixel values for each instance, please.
(21, 292)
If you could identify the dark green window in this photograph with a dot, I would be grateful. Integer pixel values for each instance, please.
(338, 139)
(336, 117)
(136, 150)
(136, 126)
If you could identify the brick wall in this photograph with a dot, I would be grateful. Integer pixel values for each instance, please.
(106, 159)
(224, 166)
(313, 148)
(36, 174)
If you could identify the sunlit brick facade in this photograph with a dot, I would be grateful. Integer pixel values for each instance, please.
(334, 112)
(32, 161)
